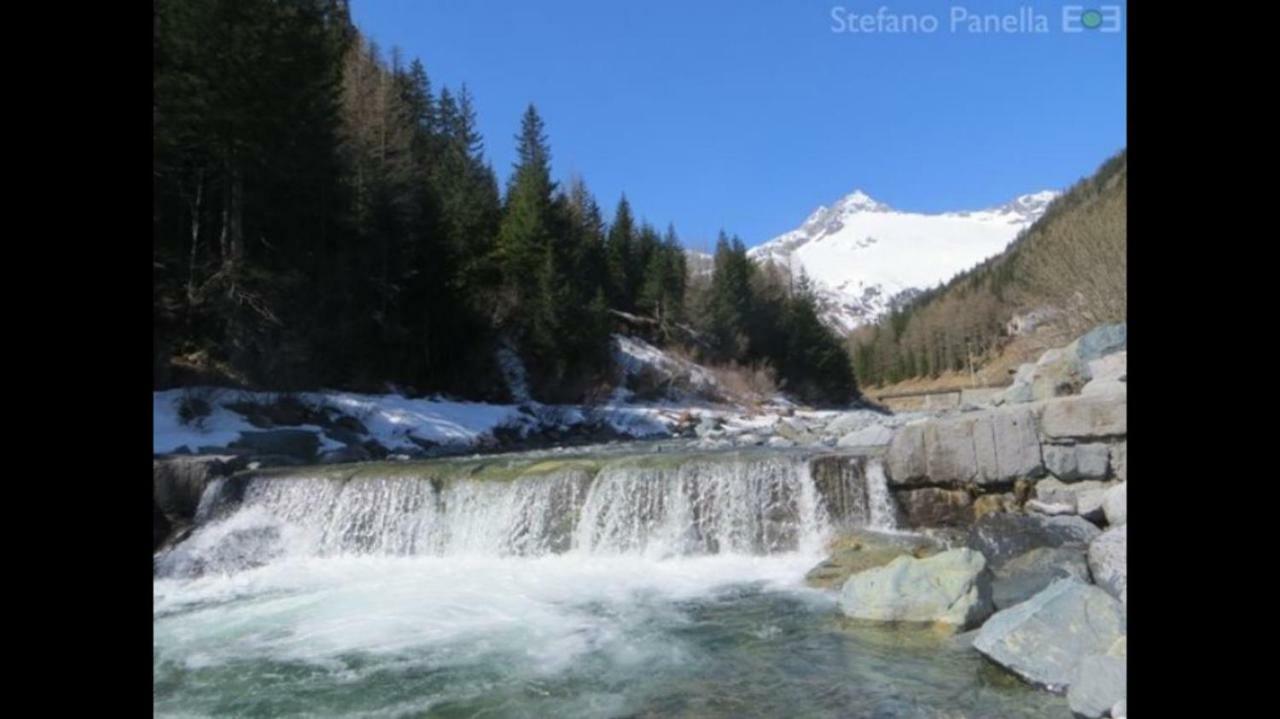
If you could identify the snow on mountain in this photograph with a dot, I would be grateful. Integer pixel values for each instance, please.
(863, 255)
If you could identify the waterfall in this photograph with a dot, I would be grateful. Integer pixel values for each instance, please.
(882, 513)
(651, 505)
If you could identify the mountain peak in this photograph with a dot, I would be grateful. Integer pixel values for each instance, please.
(1030, 205)
(859, 201)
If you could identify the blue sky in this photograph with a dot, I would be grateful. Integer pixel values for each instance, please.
(747, 115)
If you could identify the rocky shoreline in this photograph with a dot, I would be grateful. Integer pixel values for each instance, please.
(1031, 499)
(1015, 513)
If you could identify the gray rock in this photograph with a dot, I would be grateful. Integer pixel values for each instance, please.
(906, 462)
(794, 430)
(1089, 504)
(951, 589)
(160, 525)
(1001, 537)
(876, 435)
(1083, 498)
(1100, 682)
(300, 443)
(1044, 639)
(1120, 460)
(1082, 417)
(950, 451)
(1077, 461)
(988, 447)
(748, 439)
(1116, 504)
(860, 550)
(709, 426)
(352, 453)
(935, 507)
(1100, 341)
(1108, 560)
(1108, 373)
(1112, 368)
(780, 442)
(1120, 710)
(1058, 372)
(848, 422)
(178, 482)
(1052, 509)
(1029, 573)
(1017, 444)
(1055, 491)
(345, 436)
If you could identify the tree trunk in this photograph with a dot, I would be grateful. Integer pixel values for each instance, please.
(196, 207)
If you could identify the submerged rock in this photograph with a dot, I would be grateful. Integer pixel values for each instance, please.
(1100, 682)
(951, 589)
(1028, 574)
(1044, 639)
(863, 550)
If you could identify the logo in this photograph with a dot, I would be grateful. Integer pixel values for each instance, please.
(1078, 18)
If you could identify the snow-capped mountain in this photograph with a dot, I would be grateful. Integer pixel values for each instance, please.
(863, 255)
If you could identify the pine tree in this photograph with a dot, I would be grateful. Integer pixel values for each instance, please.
(525, 231)
(618, 254)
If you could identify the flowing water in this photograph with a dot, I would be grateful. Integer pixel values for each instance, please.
(606, 586)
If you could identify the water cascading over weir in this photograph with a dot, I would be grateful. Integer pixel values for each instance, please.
(655, 505)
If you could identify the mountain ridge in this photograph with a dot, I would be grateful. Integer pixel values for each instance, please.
(862, 255)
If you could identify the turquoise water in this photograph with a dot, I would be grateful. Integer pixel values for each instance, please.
(558, 636)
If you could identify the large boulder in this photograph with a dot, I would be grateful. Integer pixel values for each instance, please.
(160, 525)
(1100, 682)
(1116, 504)
(876, 435)
(1085, 417)
(951, 589)
(1027, 574)
(796, 431)
(1059, 372)
(848, 422)
(1100, 341)
(859, 551)
(991, 447)
(178, 481)
(1001, 537)
(935, 507)
(1083, 498)
(299, 443)
(1106, 373)
(1044, 639)
(1072, 462)
(1108, 560)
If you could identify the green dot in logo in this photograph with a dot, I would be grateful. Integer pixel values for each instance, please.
(1091, 19)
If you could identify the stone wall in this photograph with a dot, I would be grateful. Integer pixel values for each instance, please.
(1057, 456)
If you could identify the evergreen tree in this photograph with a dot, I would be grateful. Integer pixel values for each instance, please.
(618, 256)
(525, 232)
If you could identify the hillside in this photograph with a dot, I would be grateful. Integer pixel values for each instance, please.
(1062, 275)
